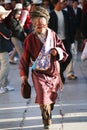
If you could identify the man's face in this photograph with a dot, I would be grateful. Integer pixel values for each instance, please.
(63, 4)
(40, 25)
(75, 4)
(17, 15)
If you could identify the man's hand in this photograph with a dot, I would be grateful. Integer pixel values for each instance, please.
(24, 79)
(53, 52)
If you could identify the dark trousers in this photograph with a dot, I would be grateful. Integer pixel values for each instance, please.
(63, 65)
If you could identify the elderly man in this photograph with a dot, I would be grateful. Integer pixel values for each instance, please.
(44, 49)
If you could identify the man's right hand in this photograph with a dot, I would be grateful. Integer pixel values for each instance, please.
(24, 79)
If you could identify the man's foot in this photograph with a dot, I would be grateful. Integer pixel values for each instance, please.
(46, 126)
(12, 62)
(3, 90)
(72, 77)
(9, 88)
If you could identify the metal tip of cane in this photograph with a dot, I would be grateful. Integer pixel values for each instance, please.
(61, 113)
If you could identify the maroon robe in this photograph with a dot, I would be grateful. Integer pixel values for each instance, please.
(46, 83)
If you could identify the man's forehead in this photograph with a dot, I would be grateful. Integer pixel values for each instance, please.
(63, 1)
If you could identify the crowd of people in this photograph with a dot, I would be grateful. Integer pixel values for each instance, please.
(41, 34)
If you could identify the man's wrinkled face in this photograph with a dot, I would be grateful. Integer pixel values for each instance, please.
(40, 25)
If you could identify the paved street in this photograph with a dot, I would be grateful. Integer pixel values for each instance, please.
(72, 103)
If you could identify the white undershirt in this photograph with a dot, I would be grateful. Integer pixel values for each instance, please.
(61, 24)
(75, 11)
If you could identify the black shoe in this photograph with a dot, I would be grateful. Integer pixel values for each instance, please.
(46, 126)
(72, 77)
(63, 80)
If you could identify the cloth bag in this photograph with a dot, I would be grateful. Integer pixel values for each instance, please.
(42, 62)
(26, 90)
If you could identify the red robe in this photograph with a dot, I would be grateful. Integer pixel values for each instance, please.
(46, 83)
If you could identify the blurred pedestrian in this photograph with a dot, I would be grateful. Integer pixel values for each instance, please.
(60, 23)
(36, 3)
(18, 34)
(77, 15)
(25, 17)
(46, 5)
(5, 47)
(70, 73)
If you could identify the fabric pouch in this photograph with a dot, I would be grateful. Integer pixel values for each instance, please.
(42, 62)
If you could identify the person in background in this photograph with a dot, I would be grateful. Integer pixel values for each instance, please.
(60, 23)
(44, 49)
(36, 3)
(46, 5)
(25, 17)
(13, 3)
(70, 73)
(5, 36)
(22, 1)
(83, 5)
(7, 4)
(18, 34)
(77, 14)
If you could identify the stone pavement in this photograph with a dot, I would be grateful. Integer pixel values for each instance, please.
(72, 103)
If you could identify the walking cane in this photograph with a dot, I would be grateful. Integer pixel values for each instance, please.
(60, 96)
